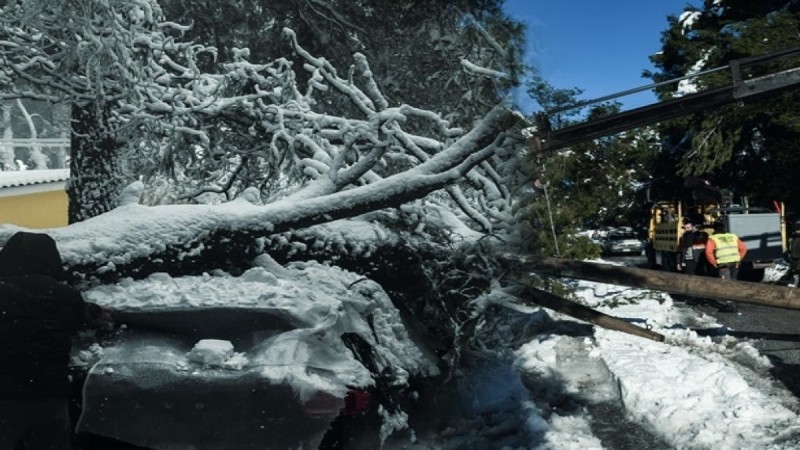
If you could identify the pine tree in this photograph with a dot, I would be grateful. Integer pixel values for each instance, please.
(751, 146)
(589, 185)
(416, 49)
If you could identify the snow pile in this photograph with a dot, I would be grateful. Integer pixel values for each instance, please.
(133, 231)
(83, 357)
(689, 85)
(361, 237)
(776, 273)
(690, 391)
(687, 19)
(216, 353)
(353, 237)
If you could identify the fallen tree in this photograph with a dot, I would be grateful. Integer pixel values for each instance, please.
(188, 236)
(253, 155)
(316, 163)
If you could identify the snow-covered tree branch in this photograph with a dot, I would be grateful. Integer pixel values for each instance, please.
(251, 131)
(195, 232)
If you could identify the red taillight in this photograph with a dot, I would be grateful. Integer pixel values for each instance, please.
(355, 402)
(326, 405)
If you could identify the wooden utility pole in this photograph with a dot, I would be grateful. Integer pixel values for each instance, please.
(568, 307)
(673, 283)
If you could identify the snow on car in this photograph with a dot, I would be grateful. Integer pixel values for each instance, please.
(241, 362)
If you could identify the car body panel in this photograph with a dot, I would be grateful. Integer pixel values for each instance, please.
(146, 392)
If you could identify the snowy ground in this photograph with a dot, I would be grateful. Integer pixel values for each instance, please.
(694, 392)
(571, 386)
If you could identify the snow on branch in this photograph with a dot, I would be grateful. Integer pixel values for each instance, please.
(135, 240)
(251, 126)
(490, 73)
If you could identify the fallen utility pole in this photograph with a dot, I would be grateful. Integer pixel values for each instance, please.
(673, 283)
(570, 308)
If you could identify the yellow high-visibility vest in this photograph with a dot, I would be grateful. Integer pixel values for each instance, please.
(726, 248)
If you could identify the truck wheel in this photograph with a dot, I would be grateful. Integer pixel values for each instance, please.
(748, 273)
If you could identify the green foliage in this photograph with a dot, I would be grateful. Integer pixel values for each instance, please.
(750, 146)
(552, 285)
(551, 98)
(589, 185)
(622, 300)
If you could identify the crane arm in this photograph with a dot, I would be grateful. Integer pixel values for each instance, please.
(547, 138)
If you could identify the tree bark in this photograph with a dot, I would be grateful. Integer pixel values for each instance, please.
(673, 283)
(7, 155)
(95, 180)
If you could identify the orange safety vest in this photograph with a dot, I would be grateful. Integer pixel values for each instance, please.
(727, 248)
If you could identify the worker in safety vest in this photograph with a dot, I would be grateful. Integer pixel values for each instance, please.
(724, 251)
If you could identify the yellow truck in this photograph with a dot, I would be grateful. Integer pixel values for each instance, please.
(762, 230)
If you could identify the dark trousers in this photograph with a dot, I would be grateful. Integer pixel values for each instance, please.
(728, 271)
(35, 424)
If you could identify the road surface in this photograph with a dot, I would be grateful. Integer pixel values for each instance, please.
(775, 332)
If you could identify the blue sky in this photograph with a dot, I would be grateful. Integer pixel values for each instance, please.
(600, 46)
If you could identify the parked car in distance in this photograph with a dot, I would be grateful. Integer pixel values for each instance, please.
(619, 242)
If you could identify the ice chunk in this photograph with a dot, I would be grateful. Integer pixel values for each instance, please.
(211, 352)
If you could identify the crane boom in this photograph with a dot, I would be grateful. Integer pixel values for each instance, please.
(547, 139)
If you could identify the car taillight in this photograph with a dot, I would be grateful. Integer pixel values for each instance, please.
(356, 402)
(326, 405)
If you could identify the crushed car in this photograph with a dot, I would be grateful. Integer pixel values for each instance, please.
(264, 360)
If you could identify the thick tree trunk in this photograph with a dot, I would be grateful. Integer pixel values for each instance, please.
(7, 156)
(673, 283)
(95, 178)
